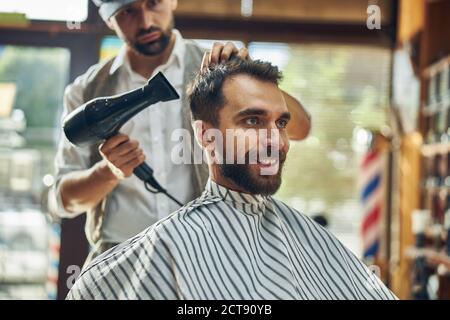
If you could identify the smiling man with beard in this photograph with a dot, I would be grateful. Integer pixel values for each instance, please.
(235, 241)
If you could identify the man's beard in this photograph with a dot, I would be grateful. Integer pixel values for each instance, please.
(156, 47)
(243, 176)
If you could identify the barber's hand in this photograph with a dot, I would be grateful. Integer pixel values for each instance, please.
(221, 53)
(122, 155)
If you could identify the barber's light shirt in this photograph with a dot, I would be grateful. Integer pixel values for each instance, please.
(230, 245)
(130, 208)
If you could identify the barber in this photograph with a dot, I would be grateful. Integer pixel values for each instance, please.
(99, 181)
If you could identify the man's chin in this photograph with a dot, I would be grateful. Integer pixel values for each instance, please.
(266, 185)
(149, 49)
(249, 178)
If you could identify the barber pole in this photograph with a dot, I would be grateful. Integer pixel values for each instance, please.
(371, 175)
(53, 260)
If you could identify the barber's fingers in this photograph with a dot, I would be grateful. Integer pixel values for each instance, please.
(221, 53)
(214, 55)
(134, 154)
(128, 167)
(243, 54)
(113, 142)
(205, 60)
(124, 166)
(125, 147)
(227, 51)
(113, 154)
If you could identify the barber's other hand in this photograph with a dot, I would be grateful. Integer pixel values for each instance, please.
(221, 53)
(121, 155)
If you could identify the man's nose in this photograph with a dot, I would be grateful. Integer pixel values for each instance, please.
(146, 19)
(272, 137)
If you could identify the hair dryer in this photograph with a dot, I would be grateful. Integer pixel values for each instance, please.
(102, 118)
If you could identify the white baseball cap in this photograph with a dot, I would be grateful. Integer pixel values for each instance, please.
(107, 8)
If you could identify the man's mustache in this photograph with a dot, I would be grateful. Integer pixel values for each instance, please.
(143, 32)
(279, 154)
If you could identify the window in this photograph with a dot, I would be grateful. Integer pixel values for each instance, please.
(345, 88)
(35, 77)
(67, 10)
(110, 47)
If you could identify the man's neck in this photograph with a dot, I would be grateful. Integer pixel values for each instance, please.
(146, 65)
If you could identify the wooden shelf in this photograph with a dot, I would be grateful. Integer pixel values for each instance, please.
(435, 67)
(432, 109)
(435, 148)
(436, 189)
(424, 27)
(433, 256)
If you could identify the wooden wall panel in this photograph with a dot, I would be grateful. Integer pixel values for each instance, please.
(411, 19)
(350, 11)
(223, 8)
(437, 33)
(320, 10)
(410, 163)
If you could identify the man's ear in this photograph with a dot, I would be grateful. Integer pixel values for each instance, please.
(200, 127)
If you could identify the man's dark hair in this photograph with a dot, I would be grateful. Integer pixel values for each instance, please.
(205, 92)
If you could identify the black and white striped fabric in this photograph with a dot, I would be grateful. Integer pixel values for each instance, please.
(230, 245)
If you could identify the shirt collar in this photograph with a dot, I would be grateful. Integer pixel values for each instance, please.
(234, 196)
(176, 55)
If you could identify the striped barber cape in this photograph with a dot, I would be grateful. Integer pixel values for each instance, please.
(230, 245)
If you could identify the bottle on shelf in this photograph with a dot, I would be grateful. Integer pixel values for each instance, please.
(436, 210)
(420, 219)
(447, 178)
(446, 225)
(437, 87)
(447, 124)
(431, 96)
(445, 85)
(437, 219)
(447, 231)
(441, 124)
(438, 178)
(427, 169)
(430, 129)
(442, 169)
(447, 71)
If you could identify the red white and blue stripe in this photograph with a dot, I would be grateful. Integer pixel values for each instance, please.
(53, 260)
(372, 202)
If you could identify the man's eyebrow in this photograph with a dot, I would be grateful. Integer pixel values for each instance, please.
(251, 112)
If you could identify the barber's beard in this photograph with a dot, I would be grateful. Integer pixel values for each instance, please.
(248, 176)
(156, 47)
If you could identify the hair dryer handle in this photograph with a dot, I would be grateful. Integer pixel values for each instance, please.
(145, 173)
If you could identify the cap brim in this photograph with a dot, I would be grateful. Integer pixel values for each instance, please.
(108, 9)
